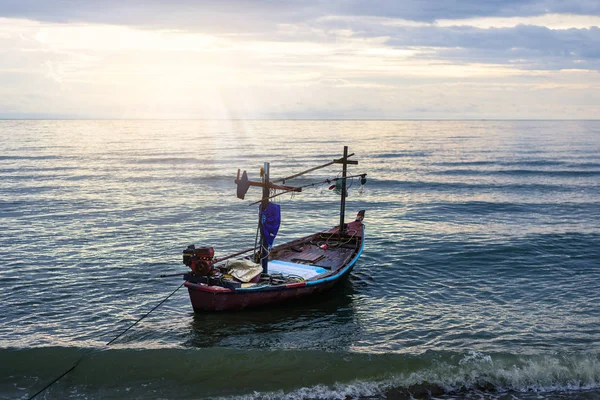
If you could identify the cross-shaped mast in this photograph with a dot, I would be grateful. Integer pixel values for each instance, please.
(345, 162)
(243, 183)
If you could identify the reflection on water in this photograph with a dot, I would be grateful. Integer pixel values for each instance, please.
(323, 321)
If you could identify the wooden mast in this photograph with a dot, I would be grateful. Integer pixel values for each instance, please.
(344, 161)
(243, 184)
(264, 246)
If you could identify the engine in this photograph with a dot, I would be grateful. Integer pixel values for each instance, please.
(200, 260)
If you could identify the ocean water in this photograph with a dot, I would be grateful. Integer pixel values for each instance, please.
(480, 277)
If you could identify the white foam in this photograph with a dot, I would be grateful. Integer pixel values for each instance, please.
(539, 374)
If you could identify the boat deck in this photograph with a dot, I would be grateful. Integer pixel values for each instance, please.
(324, 252)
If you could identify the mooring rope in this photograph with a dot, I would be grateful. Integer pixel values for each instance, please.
(58, 378)
(144, 316)
(106, 345)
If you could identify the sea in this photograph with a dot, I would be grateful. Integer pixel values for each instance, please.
(480, 277)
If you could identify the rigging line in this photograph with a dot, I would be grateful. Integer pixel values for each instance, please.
(287, 191)
(309, 185)
(309, 170)
(256, 246)
(107, 344)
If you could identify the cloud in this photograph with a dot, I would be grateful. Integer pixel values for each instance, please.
(430, 11)
(551, 21)
(227, 16)
(319, 59)
(529, 33)
(526, 45)
(241, 16)
(531, 46)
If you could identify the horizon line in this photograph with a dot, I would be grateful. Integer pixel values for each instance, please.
(298, 119)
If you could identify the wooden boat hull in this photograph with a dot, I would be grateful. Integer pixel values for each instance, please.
(216, 298)
(216, 301)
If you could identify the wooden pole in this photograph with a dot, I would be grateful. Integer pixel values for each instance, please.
(264, 247)
(344, 161)
(343, 201)
(218, 260)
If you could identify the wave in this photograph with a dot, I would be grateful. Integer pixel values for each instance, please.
(228, 373)
(530, 163)
(443, 209)
(166, 160)
(404, 154)
(201, 160)
(586, 165)
(450, 186)
(517, 172)
(21, 157)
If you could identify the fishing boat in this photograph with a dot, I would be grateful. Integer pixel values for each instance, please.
(276, 274)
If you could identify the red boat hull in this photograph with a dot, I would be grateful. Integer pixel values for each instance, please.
(217, 298)
(207, 300)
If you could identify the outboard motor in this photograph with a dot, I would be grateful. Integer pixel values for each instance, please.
(200, 260)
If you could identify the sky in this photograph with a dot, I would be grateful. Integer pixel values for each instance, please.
(309, 59)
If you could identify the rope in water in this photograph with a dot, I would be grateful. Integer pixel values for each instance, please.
(107, 344)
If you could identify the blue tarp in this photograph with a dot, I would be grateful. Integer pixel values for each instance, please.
(270, 221)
